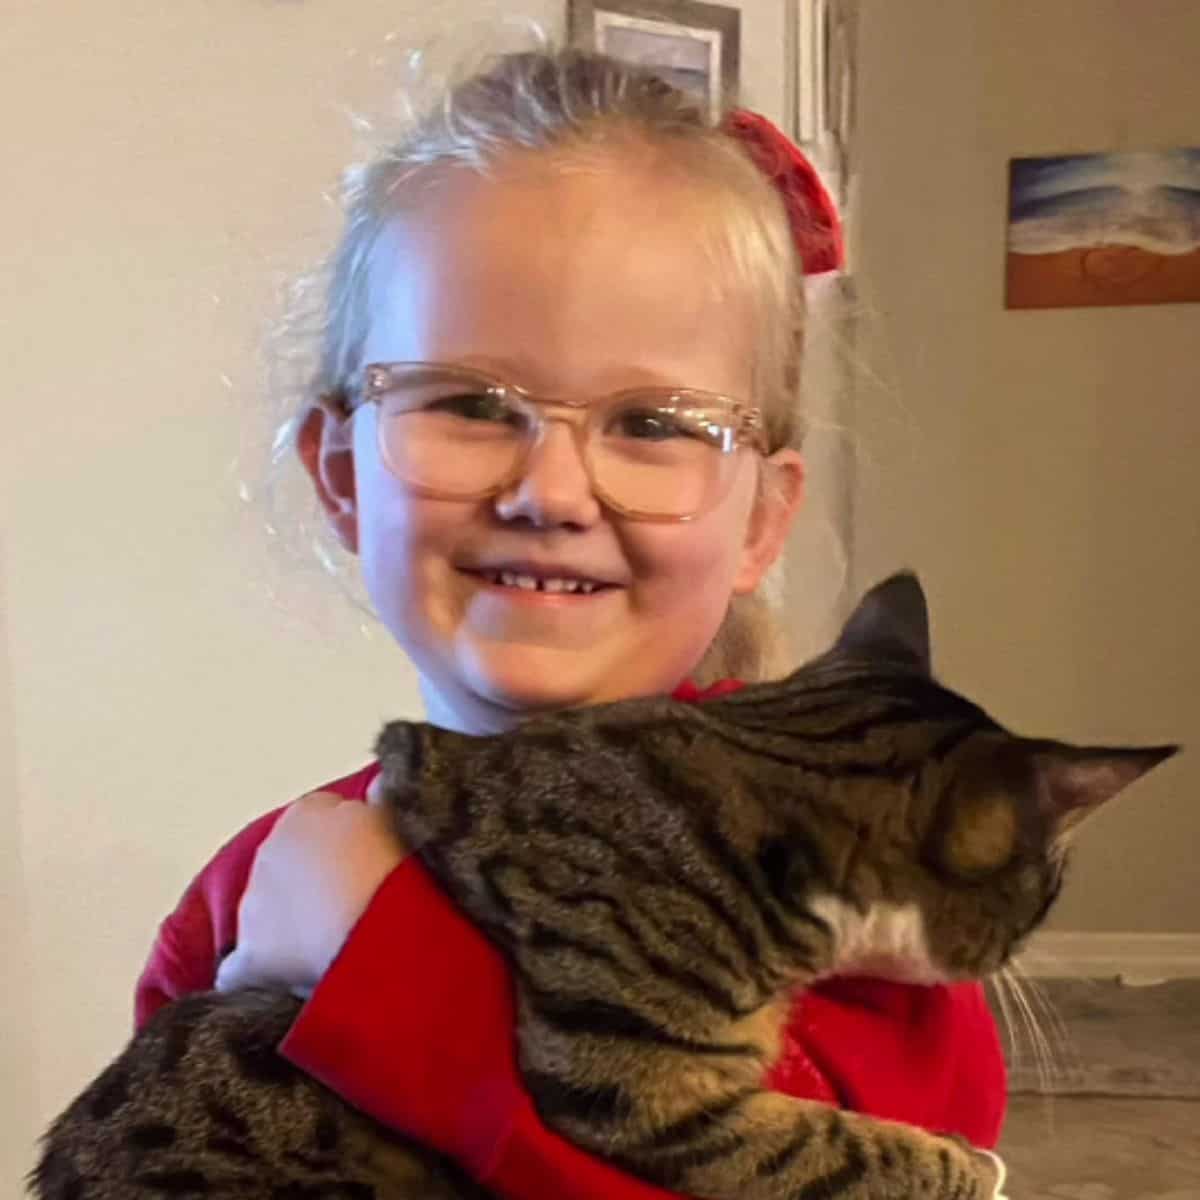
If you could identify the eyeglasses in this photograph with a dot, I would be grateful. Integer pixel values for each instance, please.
(652, 454)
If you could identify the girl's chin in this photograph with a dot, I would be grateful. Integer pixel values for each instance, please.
(486, 686)
(535, 679)
(527, 678)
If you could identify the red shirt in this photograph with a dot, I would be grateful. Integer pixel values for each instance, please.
(414, 1021)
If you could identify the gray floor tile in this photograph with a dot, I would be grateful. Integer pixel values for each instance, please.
(1084, 1148)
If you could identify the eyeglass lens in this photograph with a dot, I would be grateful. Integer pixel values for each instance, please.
(654, 453)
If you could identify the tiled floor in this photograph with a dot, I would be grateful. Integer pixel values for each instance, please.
(1101, 1038)
(1098, 1148)
(1125, 1122)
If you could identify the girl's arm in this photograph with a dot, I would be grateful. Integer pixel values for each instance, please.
(193, 939)
(414, 1024)
(414, 1021)
(203, 928)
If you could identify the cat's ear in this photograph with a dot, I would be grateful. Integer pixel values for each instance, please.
(1074, 781)
(890, 622)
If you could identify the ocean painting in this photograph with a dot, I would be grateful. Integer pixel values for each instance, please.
(1089, 229)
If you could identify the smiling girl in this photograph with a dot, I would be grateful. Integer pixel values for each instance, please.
(555, 420)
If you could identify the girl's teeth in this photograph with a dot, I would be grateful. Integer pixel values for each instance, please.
(529, 583)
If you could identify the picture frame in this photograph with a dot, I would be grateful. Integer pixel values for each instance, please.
(694, 45)
(1104, 228)
(821, 40)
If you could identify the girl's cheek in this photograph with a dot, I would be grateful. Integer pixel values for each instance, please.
(681, 561)
(698, 562)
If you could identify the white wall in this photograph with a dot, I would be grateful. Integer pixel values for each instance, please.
(166, 164)
(1039, 467)
(16, 996)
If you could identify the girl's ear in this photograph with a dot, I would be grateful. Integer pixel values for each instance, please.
(780, 494)
(325, 444)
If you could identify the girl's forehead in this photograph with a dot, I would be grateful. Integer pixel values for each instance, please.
(579, 270)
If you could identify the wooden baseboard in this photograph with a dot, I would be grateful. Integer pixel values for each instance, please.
(1135, 957)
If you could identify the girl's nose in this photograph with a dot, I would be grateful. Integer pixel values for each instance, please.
(554, 489)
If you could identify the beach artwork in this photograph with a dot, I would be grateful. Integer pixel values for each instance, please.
(1092, 229)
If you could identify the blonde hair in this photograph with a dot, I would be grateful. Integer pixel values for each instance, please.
(564, 107)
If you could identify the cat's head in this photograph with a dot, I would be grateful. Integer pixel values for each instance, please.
(928, 838)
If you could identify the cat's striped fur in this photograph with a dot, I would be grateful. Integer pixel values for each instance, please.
(662, 877)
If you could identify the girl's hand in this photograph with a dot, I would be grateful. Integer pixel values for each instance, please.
(312, 878)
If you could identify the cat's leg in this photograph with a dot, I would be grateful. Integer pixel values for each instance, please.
(688, 1113)
(766, 1146)
(200, 1103)
(828, 1151)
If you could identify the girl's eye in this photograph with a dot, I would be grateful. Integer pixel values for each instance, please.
(648, 424)
(475, 406)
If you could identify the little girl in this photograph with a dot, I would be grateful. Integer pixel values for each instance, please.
(555, 421)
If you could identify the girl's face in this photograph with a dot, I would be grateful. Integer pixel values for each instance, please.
(572, 285)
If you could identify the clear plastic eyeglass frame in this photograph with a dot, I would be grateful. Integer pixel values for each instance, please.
(737, 425)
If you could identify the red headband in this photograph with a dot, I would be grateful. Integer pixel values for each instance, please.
(810, 209)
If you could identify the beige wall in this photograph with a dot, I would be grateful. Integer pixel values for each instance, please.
(160, 683)
(1039, 468)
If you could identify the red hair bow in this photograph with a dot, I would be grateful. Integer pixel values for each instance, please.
(814, 218)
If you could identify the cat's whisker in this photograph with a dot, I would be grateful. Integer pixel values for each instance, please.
(1061, 1037)
(1045, 1005)
(1022, 1037)
(1048, 1070)
(1019, 979)
(1000, 987)
(1049, 1024)
(1043, 1056)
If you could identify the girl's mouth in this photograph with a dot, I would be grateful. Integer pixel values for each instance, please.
(553, 585)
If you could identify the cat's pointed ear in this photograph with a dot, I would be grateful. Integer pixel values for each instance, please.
(1074, 781)
(890, 622)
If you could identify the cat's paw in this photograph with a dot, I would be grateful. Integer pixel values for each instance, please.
(998, 1169)
(989, 1166)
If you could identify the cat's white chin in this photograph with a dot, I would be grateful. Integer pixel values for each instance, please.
(896, 970)
(888, 941)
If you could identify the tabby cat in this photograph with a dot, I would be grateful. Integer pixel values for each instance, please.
(662, 877)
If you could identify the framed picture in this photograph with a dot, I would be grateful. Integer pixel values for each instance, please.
(695, 46)
(821, 39)
(1104, 229)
